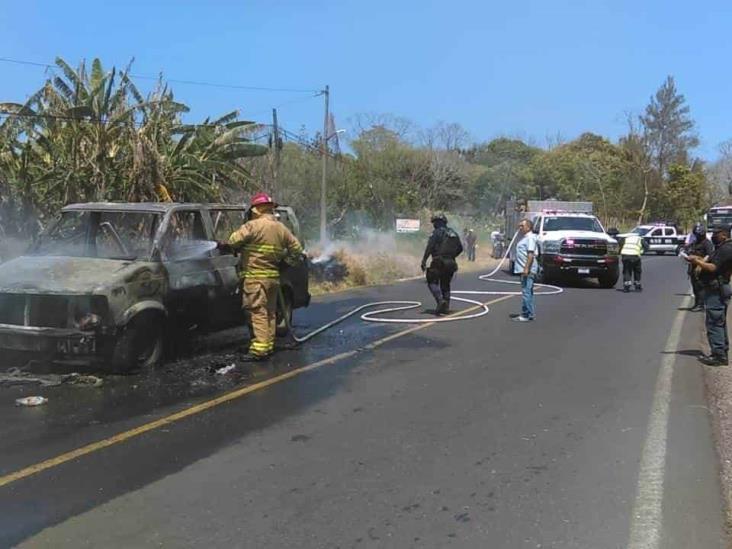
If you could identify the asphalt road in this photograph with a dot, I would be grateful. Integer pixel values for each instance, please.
(484, 433)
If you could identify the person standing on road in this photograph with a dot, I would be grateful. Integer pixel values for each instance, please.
(444, 246)
(714, 274)
(702, 247)
(263, 243)
(526, 266)
(471, 240)
(633, 246)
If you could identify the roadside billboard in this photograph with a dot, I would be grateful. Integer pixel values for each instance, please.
(406, 225)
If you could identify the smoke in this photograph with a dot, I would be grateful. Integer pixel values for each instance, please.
(369, 257)
(11, 247)
(366, 241)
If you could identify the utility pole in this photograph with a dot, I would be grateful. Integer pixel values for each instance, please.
(323, 209)
(276, 147)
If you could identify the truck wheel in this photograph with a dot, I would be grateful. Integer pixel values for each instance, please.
(609, 280)
(140, 344)
(284, 311)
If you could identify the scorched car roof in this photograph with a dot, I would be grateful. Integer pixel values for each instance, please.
(154, 207)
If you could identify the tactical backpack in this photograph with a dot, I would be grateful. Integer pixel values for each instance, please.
(450, 246)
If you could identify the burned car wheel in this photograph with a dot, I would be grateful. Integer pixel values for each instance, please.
(284, 313)
(140, 345)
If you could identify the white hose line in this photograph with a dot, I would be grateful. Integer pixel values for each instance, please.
(397, 306)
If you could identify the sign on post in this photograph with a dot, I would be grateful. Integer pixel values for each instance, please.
(404, 225)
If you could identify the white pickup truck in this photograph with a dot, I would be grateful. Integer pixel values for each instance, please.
(576, 245)
(660, 238)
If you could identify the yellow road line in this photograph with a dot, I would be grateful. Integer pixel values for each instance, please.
(203, 406)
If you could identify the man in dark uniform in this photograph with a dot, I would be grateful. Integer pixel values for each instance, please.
(714, 274)
(702, 247)
(444, 246)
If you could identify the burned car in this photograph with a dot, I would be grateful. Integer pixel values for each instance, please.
(114, 284)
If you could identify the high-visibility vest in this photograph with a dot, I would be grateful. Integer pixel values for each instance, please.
(633, 245)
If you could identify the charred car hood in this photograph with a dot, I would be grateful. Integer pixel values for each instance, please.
(63, 275)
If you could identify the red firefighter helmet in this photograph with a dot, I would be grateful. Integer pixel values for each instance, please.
(261, 198)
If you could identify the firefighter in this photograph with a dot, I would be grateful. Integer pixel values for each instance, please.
(633, 247)
(263, 243)
(702, 247)
(444, 246)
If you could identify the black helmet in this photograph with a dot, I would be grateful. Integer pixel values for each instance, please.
(439, 219)
(699, 230)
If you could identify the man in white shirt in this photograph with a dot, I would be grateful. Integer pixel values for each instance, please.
(526, 266)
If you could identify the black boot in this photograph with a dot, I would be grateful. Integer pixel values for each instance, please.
(437, 294)
(445, 303)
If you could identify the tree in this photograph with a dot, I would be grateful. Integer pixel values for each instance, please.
(668, 127)
(447, 136)
(719, 173)
(91, 135)
(684, 197)
(506, 173)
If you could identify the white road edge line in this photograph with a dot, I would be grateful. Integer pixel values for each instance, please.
(647, 518)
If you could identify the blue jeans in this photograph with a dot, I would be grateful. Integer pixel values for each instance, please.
(527, 296)
(716, 321)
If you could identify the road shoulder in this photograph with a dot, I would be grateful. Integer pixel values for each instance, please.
(718, 390)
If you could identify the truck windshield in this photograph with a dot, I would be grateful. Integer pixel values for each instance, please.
(641, 231)
(572, 224)
(108, 235)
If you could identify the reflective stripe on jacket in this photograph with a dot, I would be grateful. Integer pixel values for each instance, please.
(633, 245)
(263, 243)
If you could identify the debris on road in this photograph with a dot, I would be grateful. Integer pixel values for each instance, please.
(226, 369)
(15, 377)
(31, 401)
(78, 379)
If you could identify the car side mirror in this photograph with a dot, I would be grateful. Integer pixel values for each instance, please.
(613, 232)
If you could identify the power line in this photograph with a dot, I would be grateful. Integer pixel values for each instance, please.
(178, 81)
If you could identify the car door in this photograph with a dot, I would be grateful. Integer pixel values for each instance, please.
(225, 221)
(187, 254)
(669, 240)
(294, 277)
(655, 238)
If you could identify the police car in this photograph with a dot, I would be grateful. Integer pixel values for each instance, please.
(575, 245)
(660, 238)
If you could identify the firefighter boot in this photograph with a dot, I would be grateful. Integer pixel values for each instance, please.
(626, 287)
(638, 287)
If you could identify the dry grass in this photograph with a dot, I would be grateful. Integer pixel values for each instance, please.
(385, 267)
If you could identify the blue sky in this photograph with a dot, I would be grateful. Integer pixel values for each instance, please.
(527, 68)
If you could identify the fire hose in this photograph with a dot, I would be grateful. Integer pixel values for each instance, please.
(397, 306)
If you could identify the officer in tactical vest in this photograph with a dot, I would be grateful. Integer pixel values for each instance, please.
(702, 247)
(714, 274)
(444, 246)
